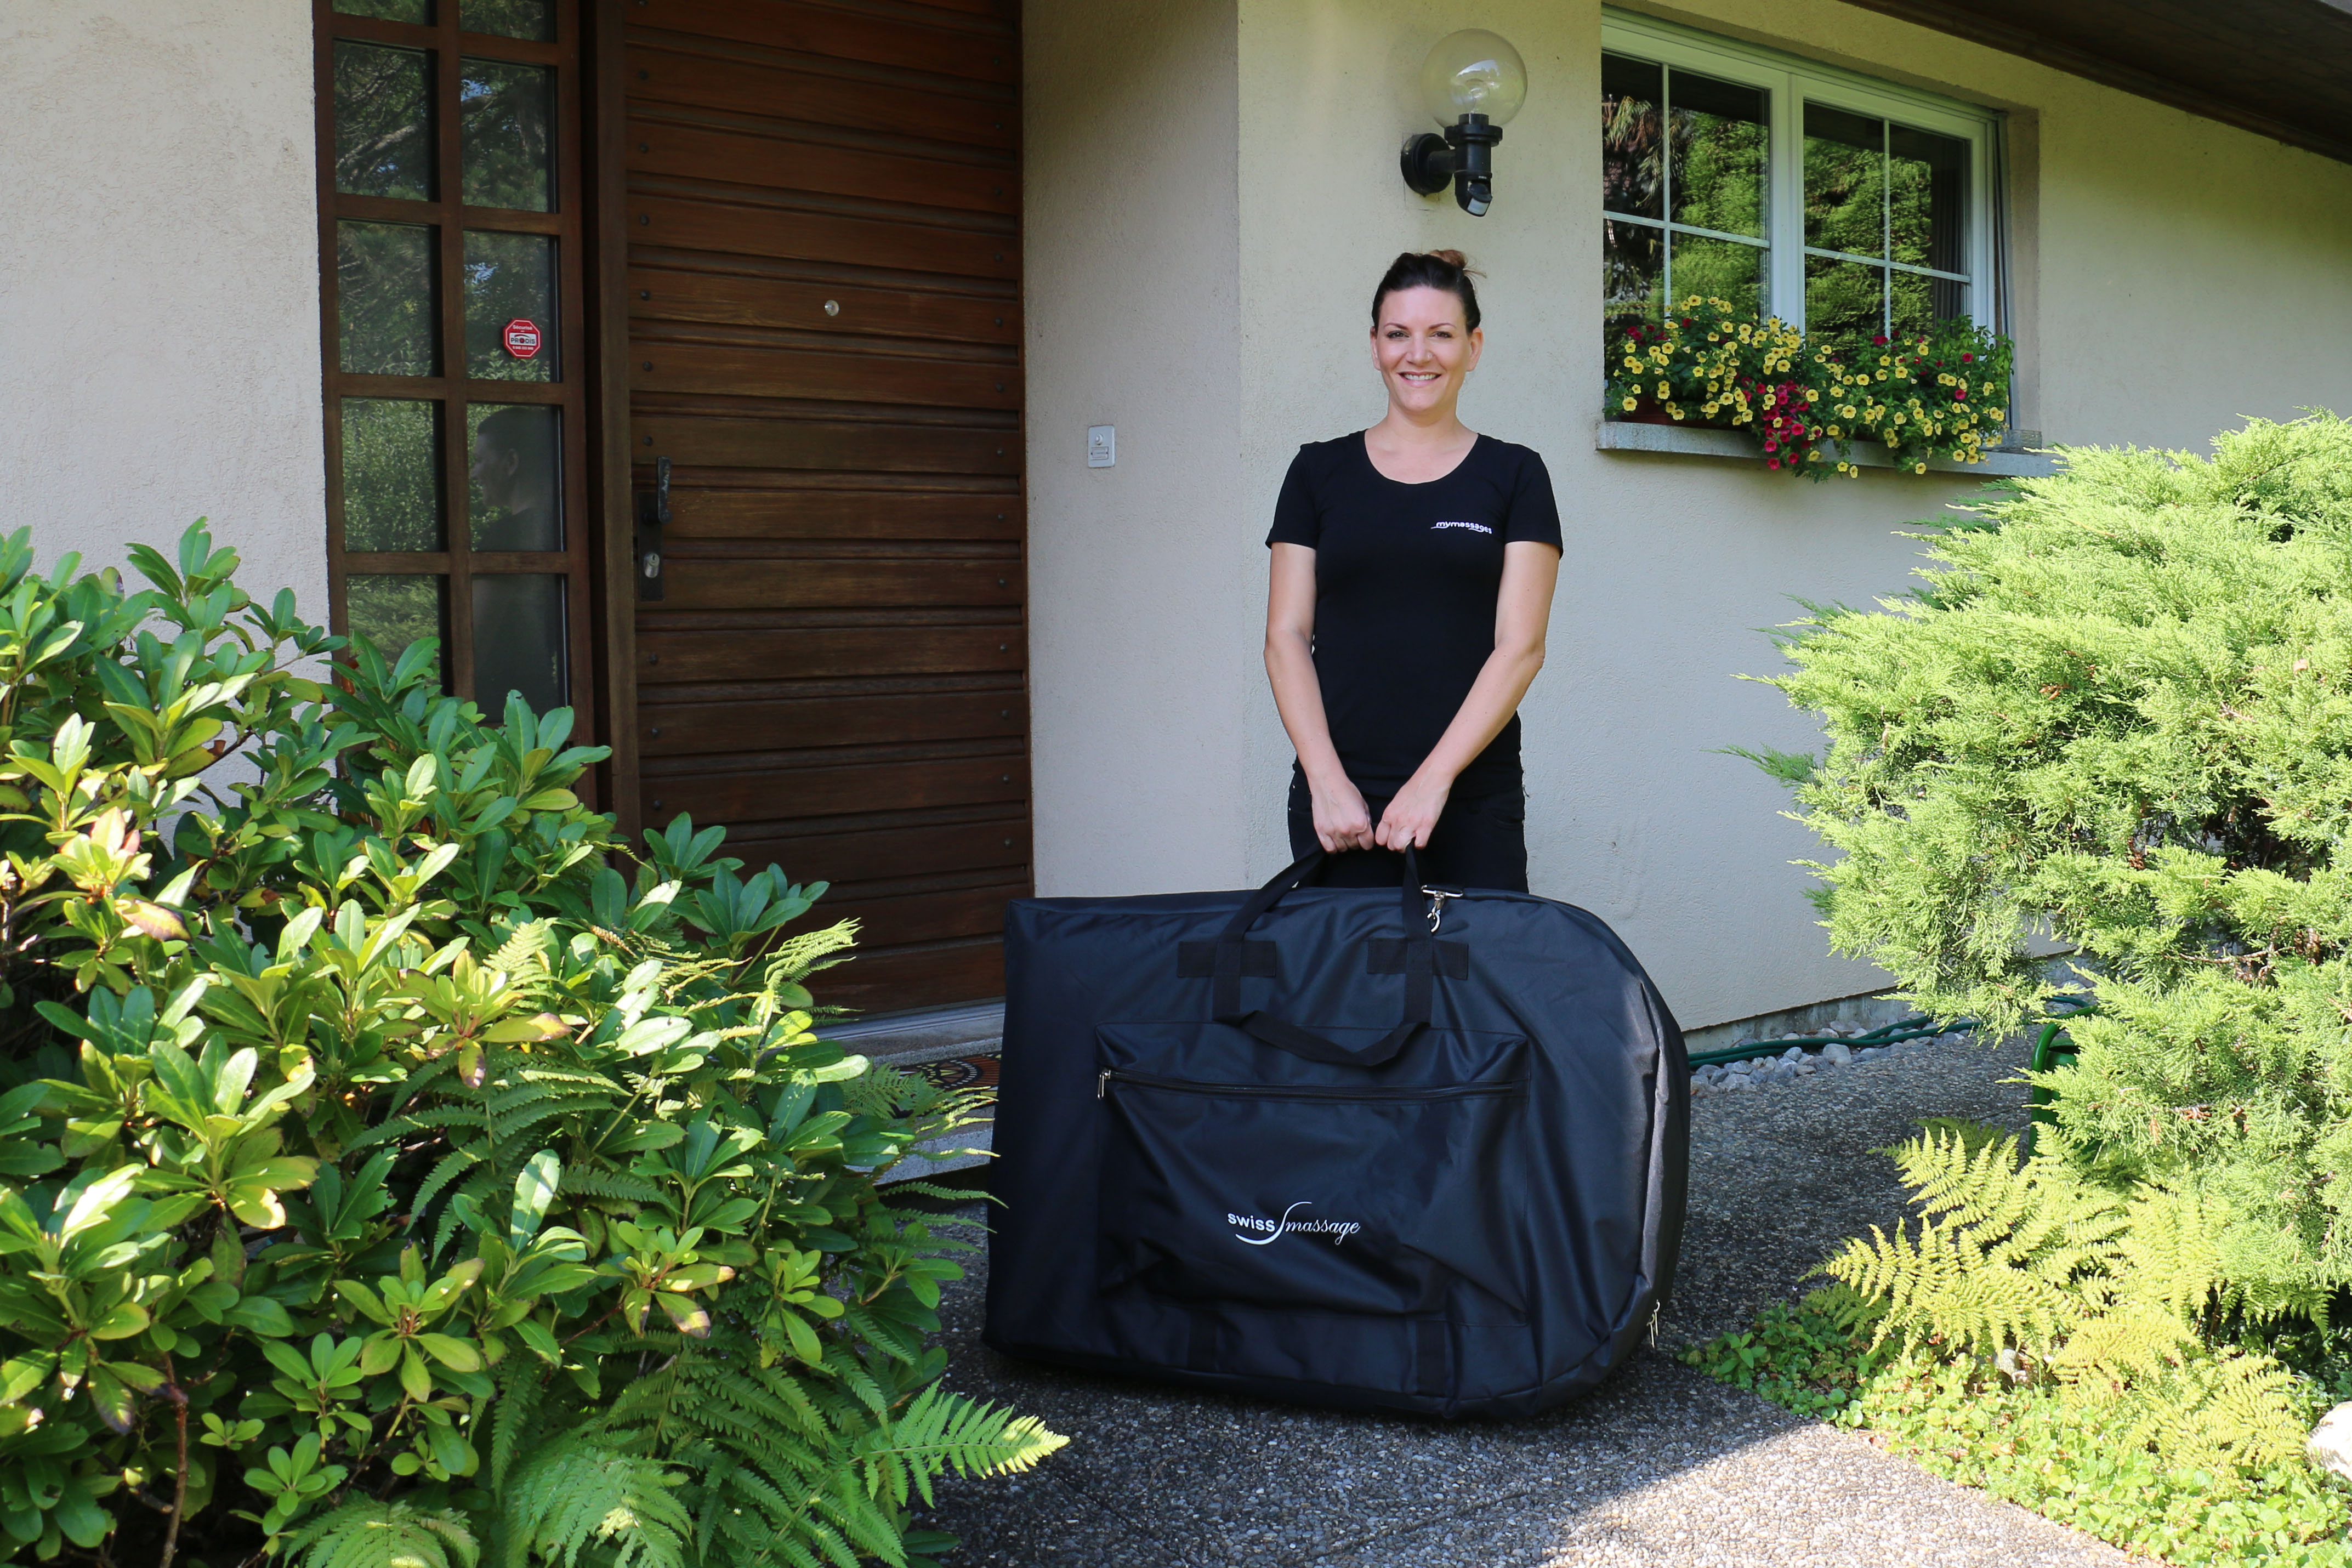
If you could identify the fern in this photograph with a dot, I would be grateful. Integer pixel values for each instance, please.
(574, 1493)
(370, 1533)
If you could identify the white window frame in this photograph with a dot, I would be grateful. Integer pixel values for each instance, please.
(1790, 83)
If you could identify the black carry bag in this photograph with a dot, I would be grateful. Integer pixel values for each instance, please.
(1422, 1151)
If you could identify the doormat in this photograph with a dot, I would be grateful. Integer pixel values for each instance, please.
(975, 1071)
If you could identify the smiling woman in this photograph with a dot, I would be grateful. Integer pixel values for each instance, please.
(1411, 582)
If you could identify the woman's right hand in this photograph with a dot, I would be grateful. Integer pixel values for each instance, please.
(1341, 819)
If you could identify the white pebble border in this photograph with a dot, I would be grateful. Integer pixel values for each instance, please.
(1797, 1062)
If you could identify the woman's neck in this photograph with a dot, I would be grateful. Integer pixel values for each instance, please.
(1415, 450)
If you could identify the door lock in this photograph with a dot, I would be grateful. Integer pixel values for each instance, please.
(653, 513)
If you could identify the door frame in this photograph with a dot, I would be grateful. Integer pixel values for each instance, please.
(613, 498)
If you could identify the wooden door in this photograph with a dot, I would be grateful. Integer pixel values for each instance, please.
(823, 328)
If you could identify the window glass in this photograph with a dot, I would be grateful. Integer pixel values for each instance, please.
(1633, 179)
(420, 11)
(1927, 198)
(519, 641)
(515, 470)
(1845, 301)
(532, 19)
(1845, 182)
(1633, 273)
(509, 306)
(1719, 178)
(1720, 269)
(391, 475)
(504, 111)
(383, 280)
(394, 610)
(383, 121)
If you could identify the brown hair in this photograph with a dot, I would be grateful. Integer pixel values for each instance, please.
(1446, 269)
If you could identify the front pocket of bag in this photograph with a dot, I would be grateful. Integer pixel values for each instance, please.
(1391, 1201)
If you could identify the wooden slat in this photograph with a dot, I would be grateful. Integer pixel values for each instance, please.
(804, 654)
(669, 294)
(791, 794)
(951, 46)
(747, 443)
(796, 371)
(888, 981)
(702, 513)
(929, 917)
(690, 729)
(784, 585)
(895, 852)
(805, 233)
(778, 160)
(860, 100)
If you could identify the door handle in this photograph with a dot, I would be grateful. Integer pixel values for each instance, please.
(653, 513)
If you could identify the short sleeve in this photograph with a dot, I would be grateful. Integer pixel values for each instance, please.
(1535, 512)
(1297, 519)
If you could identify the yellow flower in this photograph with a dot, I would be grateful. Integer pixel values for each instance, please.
(1662, 389)
(1674, 411)
(1631, 401)
(1919, 467)
(1709, 407)
(1886, 359)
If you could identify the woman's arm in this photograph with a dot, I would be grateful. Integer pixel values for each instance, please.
(1522, 616)
(1341, 821)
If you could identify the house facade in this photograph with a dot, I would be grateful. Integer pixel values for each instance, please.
(725, 369)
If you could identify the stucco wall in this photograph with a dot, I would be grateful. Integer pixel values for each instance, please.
(1140, 605)
(2173, 274)
(158, 281)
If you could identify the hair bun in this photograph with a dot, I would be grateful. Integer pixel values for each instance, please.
(1450, 259)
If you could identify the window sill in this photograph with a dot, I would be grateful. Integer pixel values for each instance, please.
(1616, 436)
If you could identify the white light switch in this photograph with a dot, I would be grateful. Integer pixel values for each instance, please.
(1102, 446)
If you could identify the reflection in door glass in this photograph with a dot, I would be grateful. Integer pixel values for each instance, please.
(504, 111)
(532, 19)
(515, 465)
(392, 474)
(519, 642)
(389, 10)
(393, 611)
(509, 282)
(384, 279)
(383, 121)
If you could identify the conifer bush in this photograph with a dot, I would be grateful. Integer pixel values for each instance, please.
(387, 1175)
(2116, 716)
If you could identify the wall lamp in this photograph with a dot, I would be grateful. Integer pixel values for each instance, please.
(1473, 83)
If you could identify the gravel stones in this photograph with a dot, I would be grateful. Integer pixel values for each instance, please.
(1796, 1062)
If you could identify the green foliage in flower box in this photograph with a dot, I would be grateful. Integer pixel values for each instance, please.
(385, 1176)
(1937, 395)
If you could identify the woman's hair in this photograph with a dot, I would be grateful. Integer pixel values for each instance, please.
(1446, 269)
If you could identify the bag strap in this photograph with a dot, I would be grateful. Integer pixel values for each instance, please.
(1420, 974)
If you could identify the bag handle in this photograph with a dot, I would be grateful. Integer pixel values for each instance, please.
(1420, 974)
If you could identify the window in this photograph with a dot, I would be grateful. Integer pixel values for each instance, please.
(1844, 206)
(450, 278)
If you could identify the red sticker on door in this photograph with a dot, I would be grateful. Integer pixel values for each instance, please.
(522, 339)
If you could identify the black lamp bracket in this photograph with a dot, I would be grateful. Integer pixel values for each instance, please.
(1464, 157)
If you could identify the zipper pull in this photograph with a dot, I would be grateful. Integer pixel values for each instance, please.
(1102, 1083)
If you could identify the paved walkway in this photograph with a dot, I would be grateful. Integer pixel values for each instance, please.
(1660, 1467)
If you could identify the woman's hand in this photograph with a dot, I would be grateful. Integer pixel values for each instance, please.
(1414, 813)
(1341, 819)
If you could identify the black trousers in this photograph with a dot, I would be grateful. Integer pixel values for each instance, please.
(1478, 842)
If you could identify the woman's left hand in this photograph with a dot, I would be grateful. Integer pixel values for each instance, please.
(1412, 813)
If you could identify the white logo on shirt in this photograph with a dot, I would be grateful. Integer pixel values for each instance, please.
(1473, 527)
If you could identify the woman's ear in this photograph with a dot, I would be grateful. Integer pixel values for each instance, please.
(1478, 343)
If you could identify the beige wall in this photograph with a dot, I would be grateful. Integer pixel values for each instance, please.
(158, 281)
(1139, 601)
(2174, 274)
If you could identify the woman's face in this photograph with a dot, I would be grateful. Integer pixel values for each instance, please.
(1423, 348)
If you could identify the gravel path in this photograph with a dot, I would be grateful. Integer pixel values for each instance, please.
(1661, 1466)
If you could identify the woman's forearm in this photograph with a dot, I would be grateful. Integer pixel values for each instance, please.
(1495, 695)
(1299, 695)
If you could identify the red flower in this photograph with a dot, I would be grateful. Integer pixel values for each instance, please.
(1968, 359)
(1772, 445)
(1959, 394)
(1772, 462)
(1879, 341)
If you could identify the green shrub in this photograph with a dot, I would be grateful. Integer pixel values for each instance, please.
(387, 1177)
(2118, 715)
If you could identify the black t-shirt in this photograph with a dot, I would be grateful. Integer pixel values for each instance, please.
(1406, 582)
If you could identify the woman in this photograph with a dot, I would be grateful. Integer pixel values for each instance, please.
(1412, 574)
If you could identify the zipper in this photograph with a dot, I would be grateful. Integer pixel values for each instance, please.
(1109, 1075)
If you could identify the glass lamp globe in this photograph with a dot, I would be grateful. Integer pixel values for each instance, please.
(1473, 72)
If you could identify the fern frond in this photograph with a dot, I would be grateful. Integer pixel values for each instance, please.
(372, 1533)
(575, 1494)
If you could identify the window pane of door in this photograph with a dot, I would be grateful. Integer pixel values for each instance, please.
(1633, 178)
(509, 282)
(394, 610)
(383, 121)
(1928, 191)
(504, 113)
(532, 19)
(385, 281)
(1719, 143)
(515, 499)
(419, 11)
(1845, 182)
(1720, 269)
(391, 475)
(519, 643)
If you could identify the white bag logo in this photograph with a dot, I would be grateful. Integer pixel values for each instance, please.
(1338, 1230)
